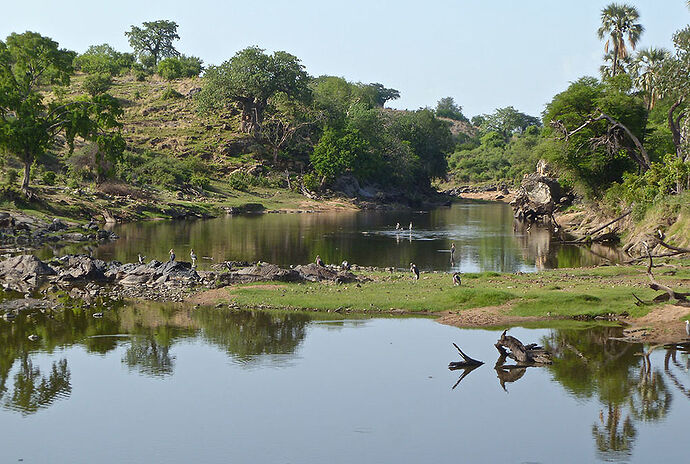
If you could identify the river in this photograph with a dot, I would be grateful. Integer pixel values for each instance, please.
(485, 235)
(162, 383)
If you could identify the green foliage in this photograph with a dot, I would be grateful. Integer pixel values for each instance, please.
(95, 84)
(249, 79)
(179, 67)
(446, 108)
(153, 41)
(171, 94)
(618, 23)
(148, 168)
(311, 182)
(103, 59)
(340, 152)
(507, 121)
(11, 176)
(28, 125)
(48, 178)
(594, 167)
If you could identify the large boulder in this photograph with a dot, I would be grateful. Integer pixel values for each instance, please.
(315, 273)
(157, 273)
(82, 268)
(537, 198)
(24, 272)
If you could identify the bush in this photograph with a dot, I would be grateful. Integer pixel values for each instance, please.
(11, 176)
(48, 178)
(103, 59)
(96, 84)
(165, 171)
(178, 67)
(238, 181)
(311, 182)
(171, 94)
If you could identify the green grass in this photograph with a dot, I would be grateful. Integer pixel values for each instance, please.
(556, 293)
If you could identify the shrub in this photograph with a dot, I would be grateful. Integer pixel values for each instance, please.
(238, 181)
(96, 84)
(48, 178)
(11, 176)
(170, 94)
(178, 67)
(311, 182)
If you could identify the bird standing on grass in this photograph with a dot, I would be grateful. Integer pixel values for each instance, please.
(456, 279)
(415, 271)
(172, 255)
(193, 256)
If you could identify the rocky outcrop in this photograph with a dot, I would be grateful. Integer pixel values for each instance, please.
(537, 198)
(24, 273)
(315, 273)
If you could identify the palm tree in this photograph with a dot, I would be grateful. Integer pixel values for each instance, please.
(647, 66)
(618, 22)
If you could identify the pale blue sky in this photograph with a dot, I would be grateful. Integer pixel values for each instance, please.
(484, 53)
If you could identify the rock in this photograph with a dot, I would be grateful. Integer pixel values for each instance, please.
(82, 268)
(315, 273)
(24, 272)
(536, 198)
(57, 225)
(75, 237)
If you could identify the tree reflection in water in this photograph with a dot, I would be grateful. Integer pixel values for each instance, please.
(148, 357)
(33, 390)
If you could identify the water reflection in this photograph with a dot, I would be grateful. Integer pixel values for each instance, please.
(484, 234)
(33, 390)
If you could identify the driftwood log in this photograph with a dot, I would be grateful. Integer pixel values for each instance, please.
(525, 355)
(465, 363)
(681, 298)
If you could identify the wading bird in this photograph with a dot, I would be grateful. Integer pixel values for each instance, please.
(456, 279)
(415, 271)
(452, 251)
(687, 328)
(172, 255)
(193, 256)
(141, 258)
(319, 261)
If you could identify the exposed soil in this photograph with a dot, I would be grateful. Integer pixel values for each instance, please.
(662, 325)
(483, 317)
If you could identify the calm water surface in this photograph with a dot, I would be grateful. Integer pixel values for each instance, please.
(484, 234)
(169, 384)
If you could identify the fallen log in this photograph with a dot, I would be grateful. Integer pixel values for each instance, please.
(465, 363)
(682, 298)
(525, 355)
(604, 226)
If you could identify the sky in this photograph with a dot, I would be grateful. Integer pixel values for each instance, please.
(485, 54)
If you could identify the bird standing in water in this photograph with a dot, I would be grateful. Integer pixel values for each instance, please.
(397, 226)
(172, 255)
(193, 256)
(452, 252)
(410, 225)
(415, 271)
(319, 261)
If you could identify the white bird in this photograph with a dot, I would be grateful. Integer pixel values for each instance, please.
(97, 315)
(687, 328)
(33, 337)
(141, 258)
(397, 226)
(410, 225)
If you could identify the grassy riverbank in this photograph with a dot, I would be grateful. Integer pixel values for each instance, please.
(482, 299)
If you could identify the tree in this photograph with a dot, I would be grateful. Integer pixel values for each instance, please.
(618, 22)
(249, 79)
(446, 108)
(647, 67)
(154, 40)
(675, 84)
(507, 121)
(28, 125)
(103, 59)
(379, 94)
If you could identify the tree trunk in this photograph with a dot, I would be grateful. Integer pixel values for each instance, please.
(27, 175)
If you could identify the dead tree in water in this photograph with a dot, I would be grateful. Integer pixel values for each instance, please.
(465, 363)
(525, 355)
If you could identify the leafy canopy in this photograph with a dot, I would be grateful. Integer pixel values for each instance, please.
(154, 40)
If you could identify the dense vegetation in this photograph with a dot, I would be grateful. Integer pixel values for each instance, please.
(68, 118)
